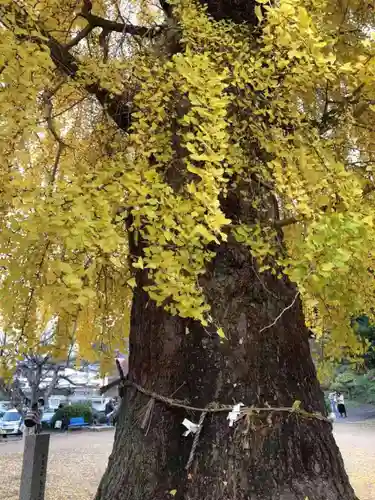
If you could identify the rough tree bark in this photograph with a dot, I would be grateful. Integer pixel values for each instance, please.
(284, 456)
(287, 457)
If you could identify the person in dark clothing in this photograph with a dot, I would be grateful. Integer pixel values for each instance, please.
(114, 415)
(341, 405)
(64, 419)
(109, 409)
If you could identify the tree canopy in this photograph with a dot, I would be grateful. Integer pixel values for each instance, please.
(124, 133)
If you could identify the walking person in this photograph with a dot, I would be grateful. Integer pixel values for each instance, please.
(341, 405)
(333, 402)
(109, 407)
(114, 415)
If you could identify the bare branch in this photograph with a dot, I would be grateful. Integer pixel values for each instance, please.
(64, 377)
(124, 28)
(48, 108)
(70, 107)
(108, 26)
(281, 314)
(331, 116)
(284, 222)
(80, 36)
(114, 383)
(49, 389)
(14, 392)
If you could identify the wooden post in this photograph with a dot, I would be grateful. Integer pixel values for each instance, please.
(34, 467)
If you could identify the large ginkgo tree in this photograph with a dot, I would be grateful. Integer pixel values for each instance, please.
(197, 175)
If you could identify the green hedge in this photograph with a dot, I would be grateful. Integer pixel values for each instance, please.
(356, 386)
(75, 410)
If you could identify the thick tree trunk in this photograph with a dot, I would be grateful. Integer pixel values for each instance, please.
(284, 457)
(270, 456)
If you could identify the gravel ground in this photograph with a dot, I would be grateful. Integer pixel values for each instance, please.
(77, 462)
(357, 444)
(75, 465)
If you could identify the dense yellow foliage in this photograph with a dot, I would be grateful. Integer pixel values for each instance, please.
(288, 105)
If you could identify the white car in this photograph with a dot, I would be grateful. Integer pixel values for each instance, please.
(11, 423)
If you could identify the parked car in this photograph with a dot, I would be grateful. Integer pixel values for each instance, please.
(47, 417)
(99, 417)
(11, 422)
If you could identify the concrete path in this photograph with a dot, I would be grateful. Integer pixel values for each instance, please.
(357, 413)
(356, 441)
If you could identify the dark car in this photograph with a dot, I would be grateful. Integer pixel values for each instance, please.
(46, 418)
(99, 417)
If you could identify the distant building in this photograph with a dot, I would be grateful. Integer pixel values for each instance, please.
(75, 386)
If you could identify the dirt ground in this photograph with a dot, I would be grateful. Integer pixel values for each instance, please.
(357, 444)
(77, 462)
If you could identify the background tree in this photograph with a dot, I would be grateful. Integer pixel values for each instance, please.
(353, 375)
(363, 327)
(35, 373)
(212, 167)
(42, 377)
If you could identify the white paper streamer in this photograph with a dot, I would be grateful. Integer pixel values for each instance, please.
(234, 414)
(190, 426)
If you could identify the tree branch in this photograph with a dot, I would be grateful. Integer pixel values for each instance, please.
(127, 29)
(284, 222)
(47, 98)
(14, 393)
(107, 25)
(116, 106)
(64, 377)
(166, 7)
(80, 36)
(50, 387)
